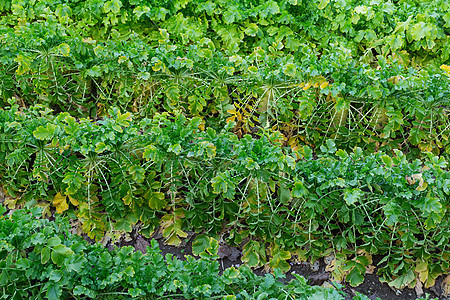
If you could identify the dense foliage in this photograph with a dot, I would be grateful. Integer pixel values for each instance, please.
(116, 174)
(304, 128)
(40, 259)
(363, 73)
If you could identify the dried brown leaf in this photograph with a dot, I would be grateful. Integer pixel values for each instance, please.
(419, 288)
(446, 286)
(370, 269)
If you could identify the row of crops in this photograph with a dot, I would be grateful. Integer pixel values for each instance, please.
(307, 129)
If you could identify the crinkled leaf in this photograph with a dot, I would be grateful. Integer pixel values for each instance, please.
(403, 280)
(60, 203)
(44, 133)
(351, 196)
(354, 278)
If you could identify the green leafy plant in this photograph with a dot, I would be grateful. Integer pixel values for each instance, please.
(42, 259)
(117, 174)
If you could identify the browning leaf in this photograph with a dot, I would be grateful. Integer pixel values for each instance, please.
(446, 286)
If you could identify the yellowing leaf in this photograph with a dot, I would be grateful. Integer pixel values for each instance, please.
(252, 69)
(446, 68)
(422, 185)
(290, 69)
(279, 259)
(64, 49)
(323, 4)
(73, 201)
(59, 201)
(122, 59)
(324, 85)
(413, 178)
(421, 266)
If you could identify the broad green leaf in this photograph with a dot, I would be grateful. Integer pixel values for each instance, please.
(53, 241)
(123, 119)
(4, 277)
(211, 150)
(251, 164)
(157, 201)
(341, 153)
(137, 173)
(446, 18)
(161, 13)
(329, 147)
(175, 149)
(44, 133)
(351, 196)
(290, 161)
(222, 184)
(24, 64)
(75, 263)
(117, 128)
(129, 271)
(38, 238)
(299, 190)
(200, 244)
(72, 125)
(285, 194)
(64, 49)
(55, 275)
(60, 253)
(231, 272)
(53, 291)
(136, 292)
(431, 204)
(101, 147)
(45, 255)
(231, 15)
(354, 278)
(73, 181)
(95, 71)
(419, 30)
(112, 6)
(290, 70)
(268, 9)
(387, 160)
(123, 224)
(403, 280)
(446, 186)
(250, 254)
(251, 29)
(140, 10)
(24, 263)
(196, 104)
(173, 93)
